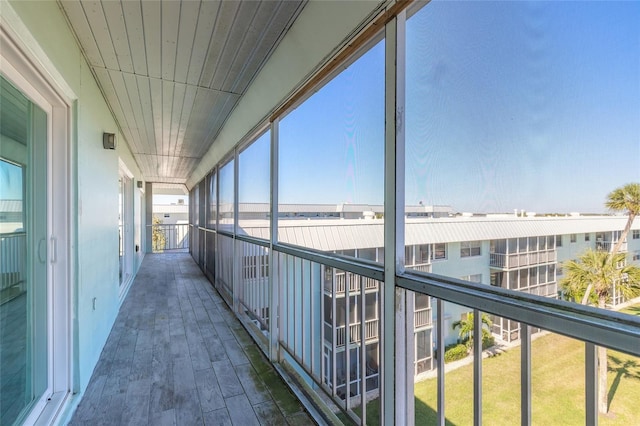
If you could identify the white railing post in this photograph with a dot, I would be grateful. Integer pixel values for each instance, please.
(591, 384)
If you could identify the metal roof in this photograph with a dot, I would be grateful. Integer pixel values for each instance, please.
(338, 208)
(347, 234)
(10, 206)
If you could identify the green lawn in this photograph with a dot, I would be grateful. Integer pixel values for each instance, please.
(557, 388)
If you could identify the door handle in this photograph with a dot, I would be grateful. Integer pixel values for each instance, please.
(54, 250)
(42, 244)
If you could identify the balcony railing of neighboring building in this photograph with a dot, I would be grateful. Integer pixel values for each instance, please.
(519, 260)
(608, 246)
(371, 332)
(169, 237)
(422, 317)
(13, 255)
(425, 267)
(341, 279)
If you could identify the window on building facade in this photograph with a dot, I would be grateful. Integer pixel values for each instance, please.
(439, 251)
(470, 248)
(587, 237)
(558, 240)
(636, 234)
(573, 238)
(474, 278)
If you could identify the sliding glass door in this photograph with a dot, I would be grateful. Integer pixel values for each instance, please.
(24, 375)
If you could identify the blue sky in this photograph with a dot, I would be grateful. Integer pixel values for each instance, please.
(527, 105)
(522, 105)
(332, 146)
(10, 181)
(509, 105)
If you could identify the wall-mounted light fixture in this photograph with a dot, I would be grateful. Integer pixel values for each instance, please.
(109, 140)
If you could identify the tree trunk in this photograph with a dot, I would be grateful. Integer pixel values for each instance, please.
(587, 293)
(603, 406)
(624, 234)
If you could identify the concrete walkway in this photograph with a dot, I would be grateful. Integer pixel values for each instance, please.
(177, 356)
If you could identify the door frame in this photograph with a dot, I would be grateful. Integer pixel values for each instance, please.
(27, 66)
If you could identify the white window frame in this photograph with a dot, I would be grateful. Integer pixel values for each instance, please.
(470, 247)
(433, 252)
(128, 231)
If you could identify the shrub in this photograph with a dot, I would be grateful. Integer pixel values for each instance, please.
(488, 341)
(455, 352)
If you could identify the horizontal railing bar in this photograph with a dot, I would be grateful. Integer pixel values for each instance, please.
(605, 328)
(12, 234)
(357, 266)
(252, 240)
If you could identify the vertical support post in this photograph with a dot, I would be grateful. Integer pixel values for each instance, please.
(410, 352)
(312, 317)
(591, 384)
(363, 352)
(477, 367)
(235, 244)
(347, 339)
(440, 359)
(148, 207)
(525, 375)
(323, 372)
(296, 312)
(303, 302)
(274, 308)
(334, 346)
(393, 378)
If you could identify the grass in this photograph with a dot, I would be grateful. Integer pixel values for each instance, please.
(557, 385)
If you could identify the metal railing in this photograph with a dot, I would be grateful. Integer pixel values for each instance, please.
(355, 331)
(518, 260)
(354, 283)
(608, 246)
(307, 335)
(169, 237)
(13, 256)
(422, 318)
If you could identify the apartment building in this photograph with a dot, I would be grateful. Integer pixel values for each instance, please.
(523, 253)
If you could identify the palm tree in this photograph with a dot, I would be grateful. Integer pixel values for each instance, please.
(598, 271)
(626, 198)
(466, 328)
(158, 238)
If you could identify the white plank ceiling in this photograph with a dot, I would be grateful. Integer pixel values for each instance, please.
(172, 71)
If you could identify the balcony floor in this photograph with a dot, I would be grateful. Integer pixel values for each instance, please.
(176, 355)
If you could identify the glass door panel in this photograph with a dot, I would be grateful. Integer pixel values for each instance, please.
(23, 254)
